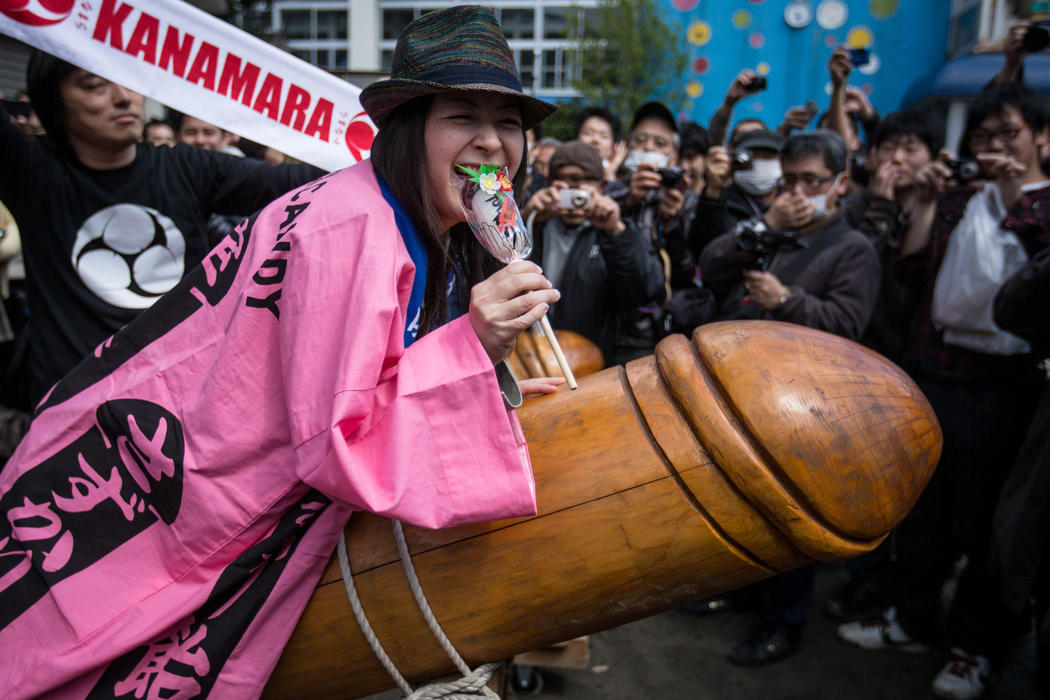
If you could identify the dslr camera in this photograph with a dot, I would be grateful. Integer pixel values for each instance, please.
(574, 199)
(763, 243)
(964, 169)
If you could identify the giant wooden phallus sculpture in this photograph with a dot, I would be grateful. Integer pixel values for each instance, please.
(533, 356)
(756, 448)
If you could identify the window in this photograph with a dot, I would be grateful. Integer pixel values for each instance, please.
(589, 19)
(296, 23)
(518, 24)
(551, 68)
(322, 58)
(331, 24)
(554, 26)
(340, 59)
(386, 60)
(394, 22)
(526, 62)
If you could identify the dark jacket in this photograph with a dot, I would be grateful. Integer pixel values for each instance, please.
(717, 216)
(1022, 518)
(604, 276)
(642, 327)
(835, 291)
(882, 221)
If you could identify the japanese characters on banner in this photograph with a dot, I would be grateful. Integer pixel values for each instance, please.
(198, 64)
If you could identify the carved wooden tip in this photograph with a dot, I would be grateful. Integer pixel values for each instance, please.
(831, 441)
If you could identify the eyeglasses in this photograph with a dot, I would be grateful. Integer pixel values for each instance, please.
(808, 180)
(640, 138)
(979, 137)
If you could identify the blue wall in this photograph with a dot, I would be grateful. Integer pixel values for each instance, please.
(907, 39)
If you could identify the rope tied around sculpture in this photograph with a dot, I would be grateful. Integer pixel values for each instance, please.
(472, 684)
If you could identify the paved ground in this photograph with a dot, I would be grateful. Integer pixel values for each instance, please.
(679, 656)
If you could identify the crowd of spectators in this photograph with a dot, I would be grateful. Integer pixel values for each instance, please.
(838, 221)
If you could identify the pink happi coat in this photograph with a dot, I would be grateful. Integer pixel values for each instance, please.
(172, 508)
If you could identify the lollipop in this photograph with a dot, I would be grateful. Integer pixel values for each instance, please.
(493, 216)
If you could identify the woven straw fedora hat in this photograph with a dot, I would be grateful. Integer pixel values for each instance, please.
(460, 48)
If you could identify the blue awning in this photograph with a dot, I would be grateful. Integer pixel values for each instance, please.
(966, 75)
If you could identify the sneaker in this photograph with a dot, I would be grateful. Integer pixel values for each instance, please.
(962, 677)
(766, 645)
(882, 632)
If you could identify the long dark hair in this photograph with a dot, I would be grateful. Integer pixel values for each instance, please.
(399, 157)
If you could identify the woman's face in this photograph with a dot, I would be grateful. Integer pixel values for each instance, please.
(469, 128)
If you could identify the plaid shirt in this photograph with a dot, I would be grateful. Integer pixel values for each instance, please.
(1029, 219)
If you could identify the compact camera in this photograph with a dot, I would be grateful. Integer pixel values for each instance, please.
(763, 243)
(742, 159)
(758, 83)
(574, 199)
(964, 169)
(1037, 37)
(670, 176)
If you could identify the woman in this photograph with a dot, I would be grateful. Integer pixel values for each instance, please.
(170, 511)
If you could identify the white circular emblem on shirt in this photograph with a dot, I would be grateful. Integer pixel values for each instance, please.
(129, 255)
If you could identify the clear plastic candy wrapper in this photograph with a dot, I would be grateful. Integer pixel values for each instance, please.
(487, 196)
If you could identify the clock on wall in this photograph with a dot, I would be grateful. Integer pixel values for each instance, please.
(798, 14)
(832, 14)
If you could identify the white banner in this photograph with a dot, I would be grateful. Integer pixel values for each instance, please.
(198, 64)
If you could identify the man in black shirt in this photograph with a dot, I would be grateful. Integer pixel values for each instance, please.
(110, 224)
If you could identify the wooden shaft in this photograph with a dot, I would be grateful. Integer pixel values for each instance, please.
(532, 358)
(752, 450)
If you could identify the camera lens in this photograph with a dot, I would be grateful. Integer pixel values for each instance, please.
(968, 170)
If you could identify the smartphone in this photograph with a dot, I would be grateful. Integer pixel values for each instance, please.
(812, 108)
(16, 108)
(859, 57)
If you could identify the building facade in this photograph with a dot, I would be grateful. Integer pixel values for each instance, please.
(356, 38)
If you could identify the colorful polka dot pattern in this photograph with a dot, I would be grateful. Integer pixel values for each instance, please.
(753, 34)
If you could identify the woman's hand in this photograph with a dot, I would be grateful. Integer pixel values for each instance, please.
(537, 386)
(507, 303)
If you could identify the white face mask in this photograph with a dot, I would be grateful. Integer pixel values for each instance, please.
(820, 201)
(636, 157)
(761, 178)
